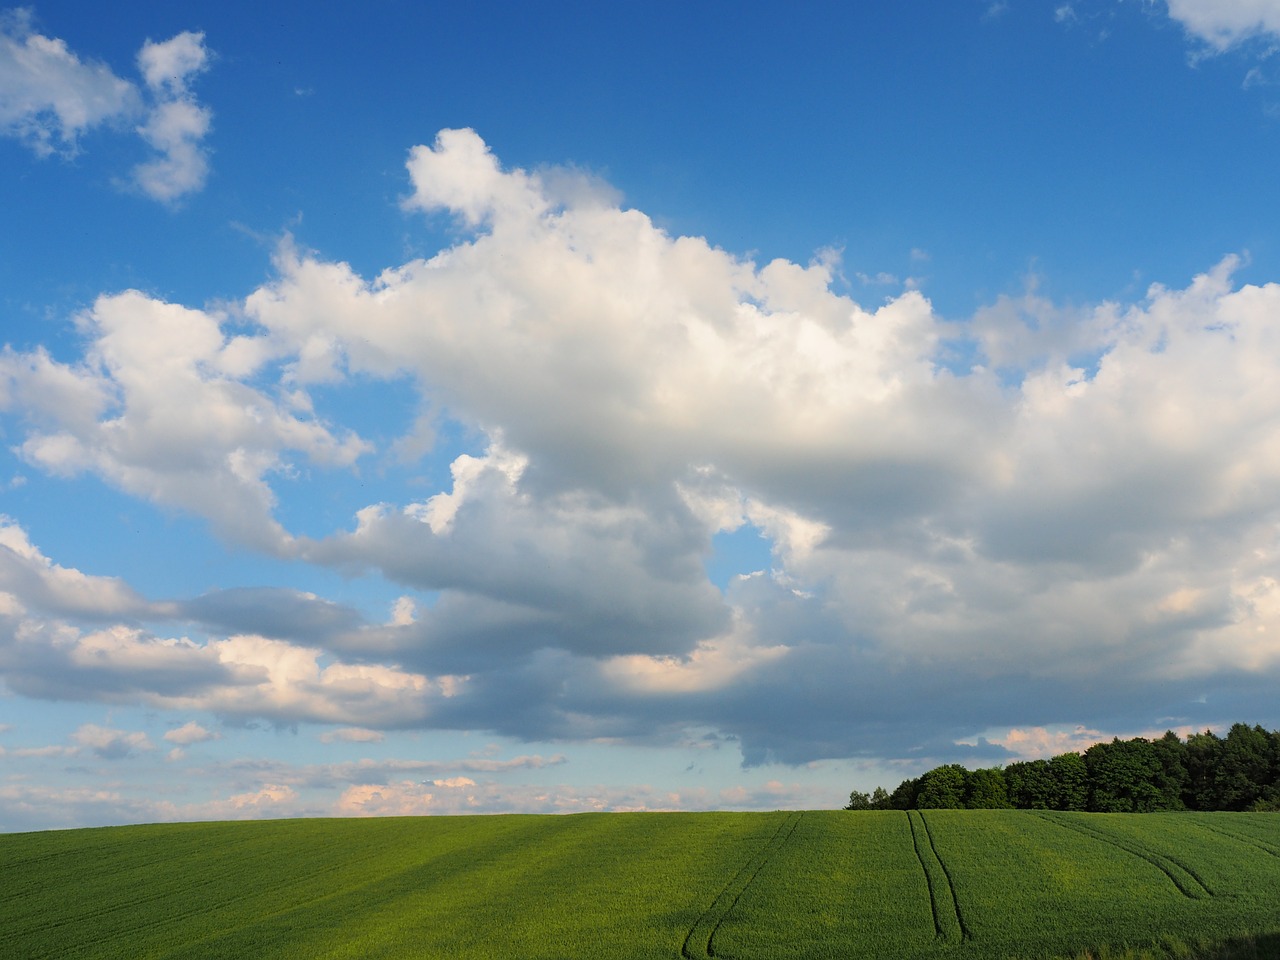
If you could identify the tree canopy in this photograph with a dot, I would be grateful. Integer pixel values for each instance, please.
(1240, 771)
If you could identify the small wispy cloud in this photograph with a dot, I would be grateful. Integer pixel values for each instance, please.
(1224, 24)
(351, 735)
(189, 733)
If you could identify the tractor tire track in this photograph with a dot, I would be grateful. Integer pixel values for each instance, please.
(699, 941)
(1256, 842)
(948, 925)
(1188, 883)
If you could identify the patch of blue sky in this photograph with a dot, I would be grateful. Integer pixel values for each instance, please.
(738, 553)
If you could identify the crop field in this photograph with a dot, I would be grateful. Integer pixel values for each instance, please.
(925, 884)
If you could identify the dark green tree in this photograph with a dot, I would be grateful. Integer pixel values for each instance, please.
(1202, 753)
(986, 789)
(1244, 768)
(858, 801)
(1172, 780)
(1122, 776)
(904, 794)
(942, 788)
(1031, 785)
(1070, 781)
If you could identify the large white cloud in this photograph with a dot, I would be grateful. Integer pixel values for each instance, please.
(1078, 524)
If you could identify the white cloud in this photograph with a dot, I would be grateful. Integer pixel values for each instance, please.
(166, 67)
(177, 123)
(254, 804)
(241, 676)
(175, 130)
(125, 413)
(462, 795)
(1033, 743)
(1226, 23)
(1095, 525)
(189, 733)
(33, 580)
(108, 743)
(351, 735)
(285, 682)
(713, 664)
(37, 807)
(49, 97)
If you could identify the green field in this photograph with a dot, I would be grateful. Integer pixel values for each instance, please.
(928, 884)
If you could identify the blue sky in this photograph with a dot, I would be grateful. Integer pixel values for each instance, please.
(487, 407)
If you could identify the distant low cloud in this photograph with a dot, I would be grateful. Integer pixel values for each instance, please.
(463, 795)
(351, 735)
(50, 98)
(189, 733)
(108, 743)
(274, 789)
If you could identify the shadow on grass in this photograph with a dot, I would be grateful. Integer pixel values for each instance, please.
(1259, 946)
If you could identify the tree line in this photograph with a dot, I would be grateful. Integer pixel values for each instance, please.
(1240, 771)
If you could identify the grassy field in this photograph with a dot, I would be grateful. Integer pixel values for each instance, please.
(932, 884)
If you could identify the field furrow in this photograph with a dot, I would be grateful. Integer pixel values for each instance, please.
(942, 896)
(1256, 843)
(700, 940)
(1190, 885)
(842, 886)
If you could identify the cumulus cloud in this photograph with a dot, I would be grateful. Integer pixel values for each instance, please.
(1080, 524)
(50, 97)
(124, 413)
(176, 124)
(110, 744)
